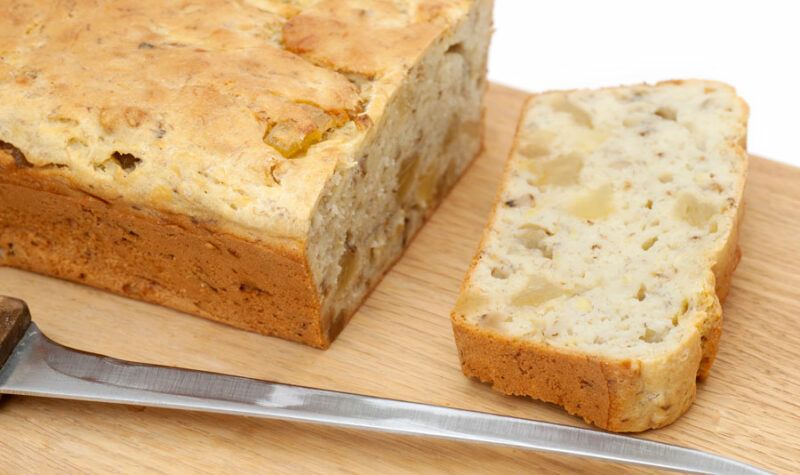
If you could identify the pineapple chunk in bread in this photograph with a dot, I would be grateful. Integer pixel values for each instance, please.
(598, 281)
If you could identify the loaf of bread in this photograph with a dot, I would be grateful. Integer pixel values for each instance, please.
(598, 281)
(261, 163)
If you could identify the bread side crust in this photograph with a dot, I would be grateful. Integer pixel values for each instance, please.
(619, 395)
(159, 257)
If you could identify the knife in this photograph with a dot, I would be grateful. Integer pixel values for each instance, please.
(33, 365)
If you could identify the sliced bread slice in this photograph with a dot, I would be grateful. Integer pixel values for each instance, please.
(598, 281)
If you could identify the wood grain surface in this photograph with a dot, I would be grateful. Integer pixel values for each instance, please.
(400, 345)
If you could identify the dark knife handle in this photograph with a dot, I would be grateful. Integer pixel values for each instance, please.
(14, 320)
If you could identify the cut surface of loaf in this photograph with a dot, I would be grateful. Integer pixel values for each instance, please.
(598, 281)
(261, 163)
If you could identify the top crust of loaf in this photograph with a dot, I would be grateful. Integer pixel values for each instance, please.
(235, 113)
(609, 248)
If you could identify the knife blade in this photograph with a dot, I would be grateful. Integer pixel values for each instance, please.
(38, 366)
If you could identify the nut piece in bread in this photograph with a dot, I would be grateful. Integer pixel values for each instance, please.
(598, 281)
(261, 163)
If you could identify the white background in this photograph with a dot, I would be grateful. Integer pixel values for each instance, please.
(753, 45)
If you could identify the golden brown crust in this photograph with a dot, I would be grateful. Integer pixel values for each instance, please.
(605, 392)
(367, 37)
(50, 228)
(512, 367)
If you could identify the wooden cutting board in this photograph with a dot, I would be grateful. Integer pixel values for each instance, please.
(399, 345)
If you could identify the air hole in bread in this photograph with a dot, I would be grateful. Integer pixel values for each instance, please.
(50, 166)
(493, 321)
(271, 174)
(76, 144)
(667, 113)
(500, 273)
(127, 161)
(632, 121)
(19, 158)
(665, 177)
(651, 336)
(649, 204)
(684, 309)
(649, 243)
(250, 288)
(641, 294)
(532, 236)
(525, 200)
(456, 48)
